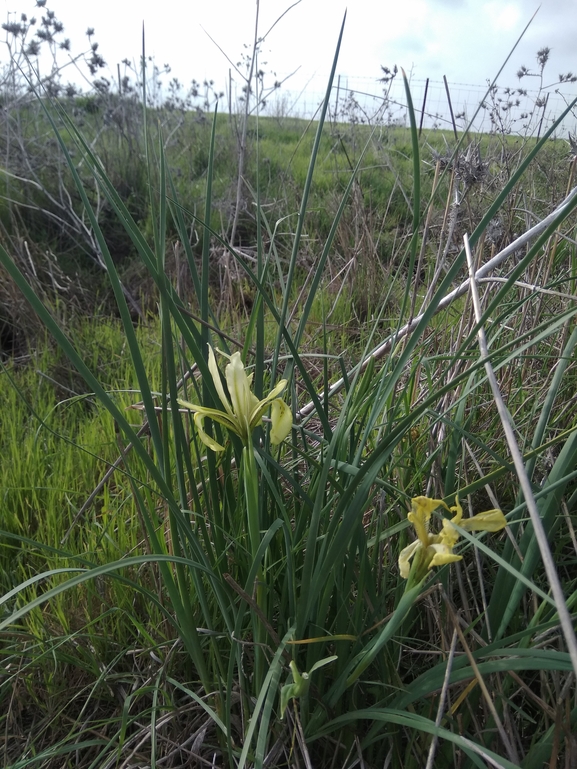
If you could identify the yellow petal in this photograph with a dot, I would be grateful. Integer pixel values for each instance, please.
(244, 401)
(458, 510)
(449, 534)
(441, 548)
(215, 373)
(277, 390)
(281, 421)
(263, 405)
(204, 437)
(188, 405)
(421, 509)
(491, 520)
(405, 558)
(419, 517)
(426, 505)
(443, 557)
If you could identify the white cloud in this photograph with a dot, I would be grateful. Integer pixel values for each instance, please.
(502, 18)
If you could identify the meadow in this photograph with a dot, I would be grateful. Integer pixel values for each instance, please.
(289, 441)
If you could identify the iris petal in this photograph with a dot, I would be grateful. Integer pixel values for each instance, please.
(242, 398)
(405, 558)
(443, 556)
(215, 373)
(204, 436)
(281, 421)
(490, 520)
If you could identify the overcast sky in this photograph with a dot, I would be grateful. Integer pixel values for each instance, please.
(466, 40)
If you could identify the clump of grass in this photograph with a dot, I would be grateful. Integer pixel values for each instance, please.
(260, 612)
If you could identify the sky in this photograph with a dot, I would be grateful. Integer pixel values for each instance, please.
(465, 40)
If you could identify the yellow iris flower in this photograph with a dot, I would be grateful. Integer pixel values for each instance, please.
(437, 549)
(243, 412)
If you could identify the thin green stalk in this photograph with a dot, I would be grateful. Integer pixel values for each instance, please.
(251, 492)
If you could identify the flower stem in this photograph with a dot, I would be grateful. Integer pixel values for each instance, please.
(251, 491)
(250, 479)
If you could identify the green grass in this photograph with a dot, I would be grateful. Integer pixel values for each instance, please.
(56, 445)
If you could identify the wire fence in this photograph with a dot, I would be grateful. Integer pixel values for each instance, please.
(437, 104)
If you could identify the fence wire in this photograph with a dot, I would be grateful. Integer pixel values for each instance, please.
(438, 104)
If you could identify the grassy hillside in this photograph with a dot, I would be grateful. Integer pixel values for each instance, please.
(271, 603)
